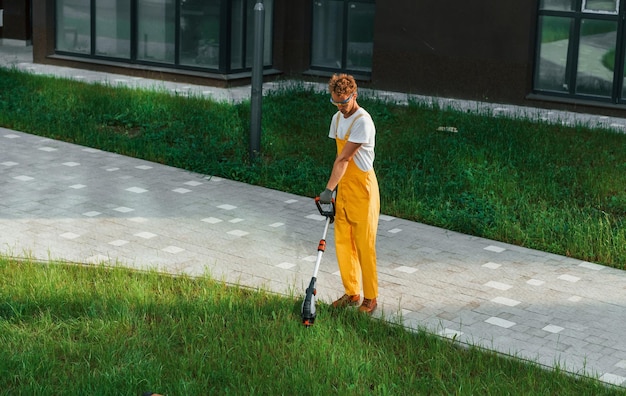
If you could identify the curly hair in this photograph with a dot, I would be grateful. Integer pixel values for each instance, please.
(342, 84)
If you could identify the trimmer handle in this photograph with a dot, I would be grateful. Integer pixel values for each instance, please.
(327, 210)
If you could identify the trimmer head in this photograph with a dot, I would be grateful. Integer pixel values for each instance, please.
(308, 312)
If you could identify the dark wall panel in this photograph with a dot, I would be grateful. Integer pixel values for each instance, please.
(473, 50)
(16, 20)
(43, 30)
(292, 36)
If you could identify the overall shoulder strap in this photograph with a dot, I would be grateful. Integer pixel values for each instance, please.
(350, 127)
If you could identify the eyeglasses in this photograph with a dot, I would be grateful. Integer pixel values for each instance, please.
(343, 102)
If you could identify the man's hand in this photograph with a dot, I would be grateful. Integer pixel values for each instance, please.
(326, 196)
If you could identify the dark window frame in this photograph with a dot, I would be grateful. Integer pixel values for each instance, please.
(577, 15)
(224, 66)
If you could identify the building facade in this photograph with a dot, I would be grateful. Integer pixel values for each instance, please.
(561, 54)
(15, 22)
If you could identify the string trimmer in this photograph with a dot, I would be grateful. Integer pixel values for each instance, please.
(308, 305)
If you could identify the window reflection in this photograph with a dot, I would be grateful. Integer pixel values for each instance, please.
(73, 33)
(243, 30)
(343, 35)
(199, 33)
(553, 49)
(360, 36)
(564, 5)
(596, 57)
(113, 28)
(327, 42)
(156, 30)
(601, 6)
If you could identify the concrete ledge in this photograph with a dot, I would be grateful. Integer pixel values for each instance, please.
(15, 43)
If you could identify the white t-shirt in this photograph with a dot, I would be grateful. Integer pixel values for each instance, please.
(363, 131)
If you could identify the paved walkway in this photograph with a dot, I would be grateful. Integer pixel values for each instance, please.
(68, 202)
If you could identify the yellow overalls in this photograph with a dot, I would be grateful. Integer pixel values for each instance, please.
(356, 223)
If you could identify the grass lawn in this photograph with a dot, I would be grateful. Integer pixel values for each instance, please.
(74, 330)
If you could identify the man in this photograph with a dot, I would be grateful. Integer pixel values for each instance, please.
(358, 200)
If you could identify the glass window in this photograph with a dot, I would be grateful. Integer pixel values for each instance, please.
(267, 39)
(73, 31)
(242, 33)
(113, 28)
(200, 33)
(343, 35)
(327, 40)
(174, 33)
(237, 31)
(596, 52)
(580, 53)
(553, 49)
(601, 6)
(156, 30)
(563, 5)
(360, 36)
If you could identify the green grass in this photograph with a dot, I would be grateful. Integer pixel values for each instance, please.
(544, 186)
(76, 330)
(608, 60)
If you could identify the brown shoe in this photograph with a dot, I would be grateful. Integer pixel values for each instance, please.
(347, 301)
(368, 306)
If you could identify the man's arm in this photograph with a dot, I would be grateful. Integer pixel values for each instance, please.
(341, 164)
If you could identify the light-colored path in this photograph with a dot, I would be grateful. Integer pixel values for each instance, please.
(63, 201)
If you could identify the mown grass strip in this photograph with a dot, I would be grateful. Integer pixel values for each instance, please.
(68, 329)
